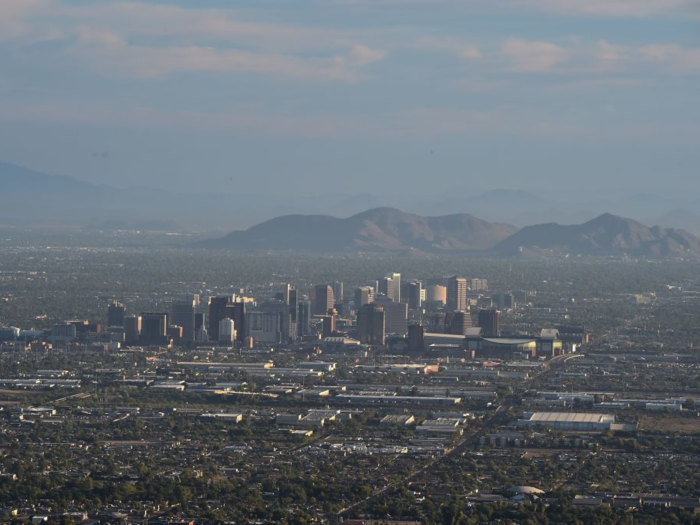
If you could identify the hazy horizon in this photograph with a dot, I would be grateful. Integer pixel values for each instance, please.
(354, 96)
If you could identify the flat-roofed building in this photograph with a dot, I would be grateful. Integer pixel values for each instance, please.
(567, 420)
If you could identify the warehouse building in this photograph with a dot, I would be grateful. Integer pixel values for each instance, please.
(567, 420)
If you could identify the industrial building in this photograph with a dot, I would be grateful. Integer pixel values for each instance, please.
(567, 420)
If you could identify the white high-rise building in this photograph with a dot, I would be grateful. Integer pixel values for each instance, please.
(227, 331)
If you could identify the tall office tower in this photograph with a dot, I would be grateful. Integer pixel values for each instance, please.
(461, 322)
(337, 291)
(293, 302)
(436, 293)
(329, 323)
(154, 328)
(414, 295)
(202, 336)
(264, 327)
(391, 286)
(115, 314)
(132, 329)
(323, 299)
(303, 318)
(238, 311)
(363, 295)
(478, 285)
(283, 294)
(293, 313)
(227, 331)
(396, 315)
(182, 314)
(217, 312)
(192, 297)
(371, 325)
(175, 333)
(288, 329)
(416, 334)
(396, 277)
(457, 293)
(489, 322)
(200, 321)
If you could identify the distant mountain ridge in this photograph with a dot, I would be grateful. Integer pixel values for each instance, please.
(605, 235)
(388, 229)
(378, 229)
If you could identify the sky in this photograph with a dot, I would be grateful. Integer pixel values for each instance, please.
(378, 96)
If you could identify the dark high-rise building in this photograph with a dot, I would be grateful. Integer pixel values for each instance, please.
(489, 322)
(182, 315)
(337, 291)
(461, 321)
(200, 320)
(217, 312)
(284, 294)
(416, 334)
(457, 293)
(303, 318)
(329, 323)
(363, 295)
(154, 328)
(115, 314)
(371, 325)
(175, 333)
(413, 296)
(293, 303)
(238, 312)
(132, 329)
(323, 299)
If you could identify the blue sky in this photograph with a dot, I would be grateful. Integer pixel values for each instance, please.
(407, 96)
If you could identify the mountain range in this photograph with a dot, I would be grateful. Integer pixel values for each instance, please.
(379, 229)
(605, 235)
(388, 229)
(35, 199)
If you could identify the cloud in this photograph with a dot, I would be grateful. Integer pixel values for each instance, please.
(452, 45)
(204, 26)
(677, 58)
(360, 55)
(15, 15)
(533, 57)
(112, 55)
(609, 8)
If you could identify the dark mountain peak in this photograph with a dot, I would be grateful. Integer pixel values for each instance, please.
(609, 220)
(382, 213)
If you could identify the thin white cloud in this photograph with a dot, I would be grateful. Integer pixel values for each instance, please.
(112, 55)
(203, 26)
(609, 8)
(15, 17)
(675, 57)
(452, 45)
(527, 56)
